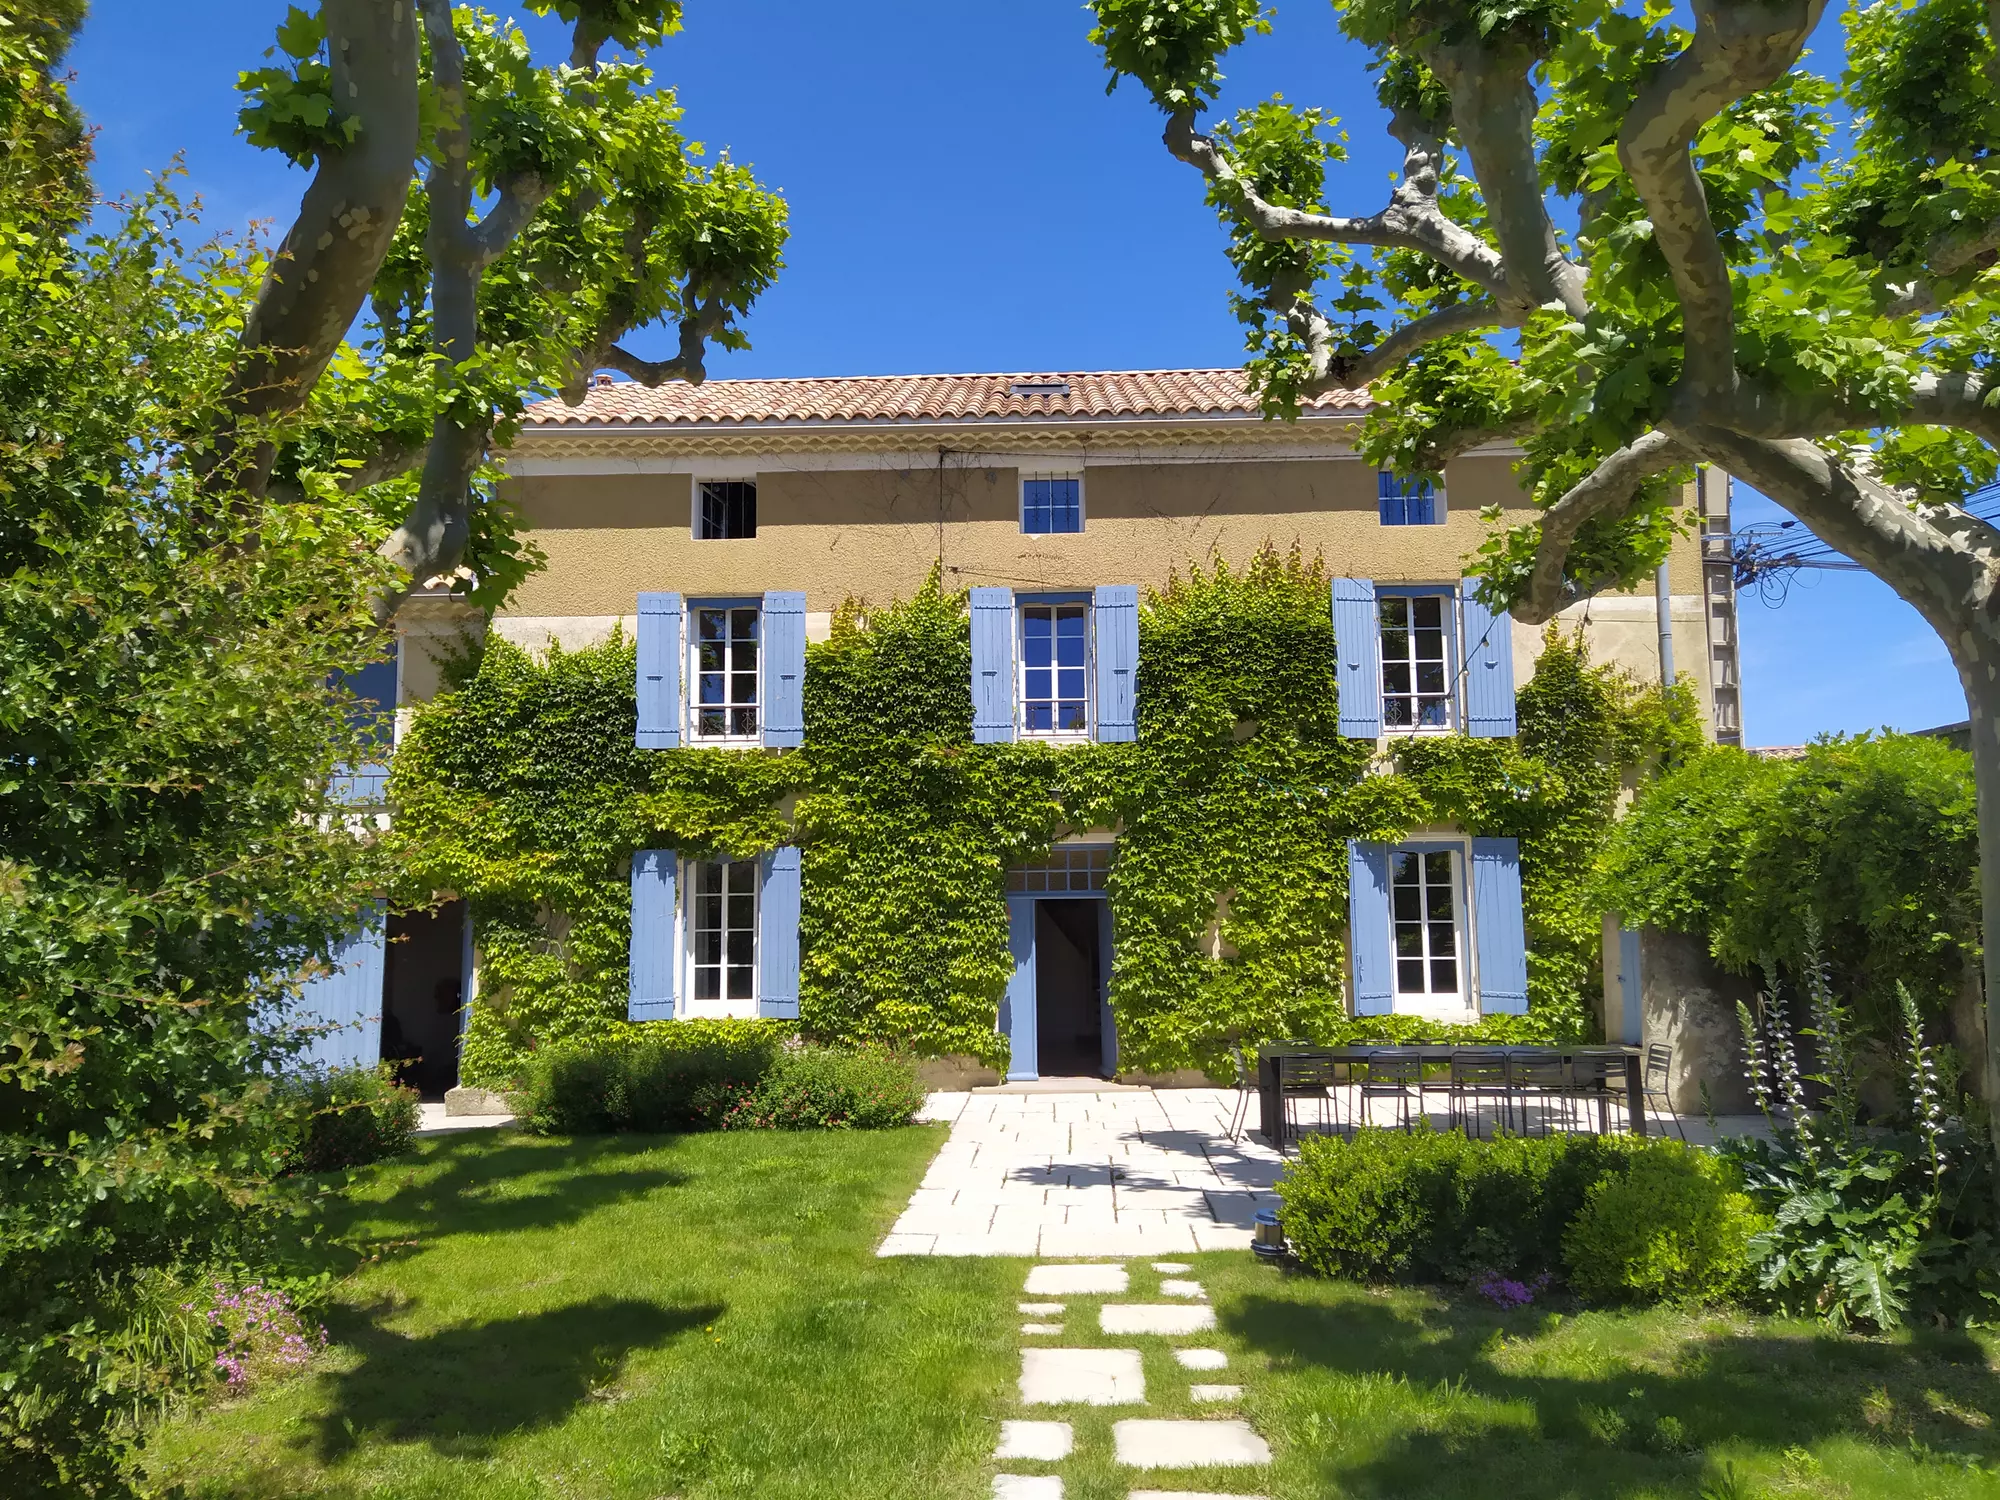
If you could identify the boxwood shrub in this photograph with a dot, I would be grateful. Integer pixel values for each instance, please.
(704, 1075)
(1619, 1218)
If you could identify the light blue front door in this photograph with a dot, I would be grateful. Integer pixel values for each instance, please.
(1072, 871)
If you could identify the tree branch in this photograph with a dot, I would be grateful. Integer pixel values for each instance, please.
(1608, 490)
(1412, 220)
(1493, 108)
(1737, 49)
(346, 220)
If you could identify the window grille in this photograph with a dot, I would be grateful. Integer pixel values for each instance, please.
(1408, 503)
(727, 510)
(1416, 661)
(1051, 503)
(725, 671)
(722, 930)
(1055, 649)
(1424, 890)
(1081, 867)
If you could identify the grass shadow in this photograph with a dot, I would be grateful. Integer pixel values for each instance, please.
(1448, 1399)
(460, 1388)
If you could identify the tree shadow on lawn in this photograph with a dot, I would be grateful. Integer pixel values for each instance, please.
(459, 1388)
(1603, 1423)
(502, 1186)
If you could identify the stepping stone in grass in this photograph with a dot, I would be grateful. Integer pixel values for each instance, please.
(1078, 1281)
(1046, 1441)
(1172, 1267)
(1041, 1328)
(1038, 1309)
(1027, 1487)
(1214, 1392)
(1192, 1289)
(1144, 1444)
(1201, 1359)
(1185, 1495)
(1154, 1317)
(1086, 1377)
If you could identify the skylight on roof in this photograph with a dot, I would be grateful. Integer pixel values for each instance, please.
(1038, 388)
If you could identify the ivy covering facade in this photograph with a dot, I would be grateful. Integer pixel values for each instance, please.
(519, 788)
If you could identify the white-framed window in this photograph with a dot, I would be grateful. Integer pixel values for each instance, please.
(1427, 925)
(1417, 656)
(721, 925)
(1055, 669)
(1051, 503)
(725, 510)
(723, 671)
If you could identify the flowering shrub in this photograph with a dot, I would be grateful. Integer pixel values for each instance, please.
(259, 1335)
(1505, 1292)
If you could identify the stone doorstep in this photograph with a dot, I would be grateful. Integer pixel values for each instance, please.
(1170, 1319)
(1086, 1377)
(1144, 1443)
(1045, 1442)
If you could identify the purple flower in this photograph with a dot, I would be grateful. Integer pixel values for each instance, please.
(1504, 1291)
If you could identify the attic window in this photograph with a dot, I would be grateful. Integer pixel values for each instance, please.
(1039, 388)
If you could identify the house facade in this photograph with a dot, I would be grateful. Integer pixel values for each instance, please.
(722, 525)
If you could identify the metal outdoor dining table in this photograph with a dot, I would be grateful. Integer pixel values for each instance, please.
(1589, 1075)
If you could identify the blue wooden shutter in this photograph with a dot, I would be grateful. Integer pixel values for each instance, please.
(660, 624)
(1017, 1007)
(344, 1008)
(992, 666)
(1368, 934)
(654, 909)
(1115, 612)
(778, 936)
(1487, 647)
(1357, 643)
(784, 627)
(1499, 937)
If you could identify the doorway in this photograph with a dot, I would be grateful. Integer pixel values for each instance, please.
(421, 995)
(1069, 987)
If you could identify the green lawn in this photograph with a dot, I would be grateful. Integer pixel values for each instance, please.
(703, 1317)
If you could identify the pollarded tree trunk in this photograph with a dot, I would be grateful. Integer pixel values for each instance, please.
(1980, 672)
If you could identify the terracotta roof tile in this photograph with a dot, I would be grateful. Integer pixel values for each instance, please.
(923, 398)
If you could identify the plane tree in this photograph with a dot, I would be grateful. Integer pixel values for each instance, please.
(500, 223)
(1631, 246)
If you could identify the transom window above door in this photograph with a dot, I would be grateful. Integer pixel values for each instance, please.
(1424, 907)
(1416, 660)
(725, 510)
(1055, 669)
(722, 930)
(725, 642)
(1051, 503)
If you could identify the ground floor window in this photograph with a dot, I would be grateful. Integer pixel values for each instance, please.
(1428, 917)
(722, 930)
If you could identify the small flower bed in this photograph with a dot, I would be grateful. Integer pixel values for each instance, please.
(260, 1335)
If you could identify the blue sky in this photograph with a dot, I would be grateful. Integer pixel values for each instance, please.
(964, 196)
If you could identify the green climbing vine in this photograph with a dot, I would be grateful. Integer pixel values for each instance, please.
(519, 788)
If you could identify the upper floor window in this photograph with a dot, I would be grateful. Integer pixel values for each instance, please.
(725, 510)
(722, 930)
(1416, 660)
(1427, 917)
(1051, 503)
(1055, 668)
(1413, 502)
(725, 642)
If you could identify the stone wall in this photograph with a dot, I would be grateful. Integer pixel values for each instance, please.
(1689, 1003)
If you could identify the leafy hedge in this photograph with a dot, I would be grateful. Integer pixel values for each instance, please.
(1624, 1219)
(347, 1117)
(708, 1075)
(1871, 840)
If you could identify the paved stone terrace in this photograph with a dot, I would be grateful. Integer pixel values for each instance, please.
(1127, 1173)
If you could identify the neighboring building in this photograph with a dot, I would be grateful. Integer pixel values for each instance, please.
(724, 523)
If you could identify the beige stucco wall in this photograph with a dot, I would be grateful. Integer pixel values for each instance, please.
(873, 533)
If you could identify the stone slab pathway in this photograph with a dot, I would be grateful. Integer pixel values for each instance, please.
(1148, 1444)
(1137, 1172)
